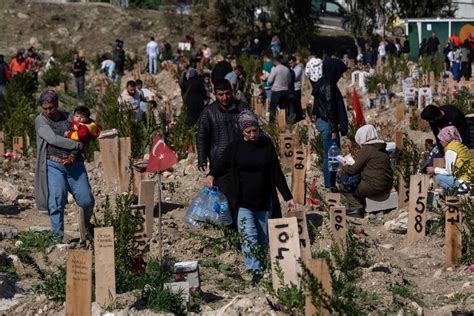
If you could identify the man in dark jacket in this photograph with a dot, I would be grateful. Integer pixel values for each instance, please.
(218, 128)
(432, 46)
(4, 75)
(330, 112)
(79, 69)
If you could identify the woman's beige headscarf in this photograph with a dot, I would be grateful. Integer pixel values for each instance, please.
(367, 135)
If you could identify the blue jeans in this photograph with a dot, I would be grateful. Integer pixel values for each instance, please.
(447, 182)
(254, 227)
(323, 127)
(80, 82)
(61, 179)
(111, 72)
(152, 64)
(455, 71)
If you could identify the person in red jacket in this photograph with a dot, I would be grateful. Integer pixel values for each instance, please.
(84, 129)
(18, 63)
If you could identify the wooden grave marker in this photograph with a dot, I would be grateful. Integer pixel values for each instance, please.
(281, 120)
(141, 238)
(2, 149)
(399, 140)
(79, 283)
(18, 144)
(288, 143)
(403, 193)
(2, 136)
(453, 238)
(284, 249)
(400, 112)
(298, 184)
(137, 178)
(417, 208)
(97, 160)
(304, 102)
(333, 199)
(104, 265)
(320, 270)
(109, 151)
(305, 246)
(146, 196)
(124, 163)
(338, 223)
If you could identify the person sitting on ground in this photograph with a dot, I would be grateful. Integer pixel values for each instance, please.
(108, 67)
(255, 176)
(372, 167)
(459, 163)
(446, 115)
(83, 128)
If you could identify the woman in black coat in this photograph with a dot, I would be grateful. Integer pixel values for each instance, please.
(255, 175)
(195, 96)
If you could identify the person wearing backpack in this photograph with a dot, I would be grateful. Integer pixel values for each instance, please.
(4, 75)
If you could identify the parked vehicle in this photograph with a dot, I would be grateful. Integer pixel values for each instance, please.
(330, 14)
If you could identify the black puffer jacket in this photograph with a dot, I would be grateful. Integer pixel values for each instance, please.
(217, 129)
(329, 104)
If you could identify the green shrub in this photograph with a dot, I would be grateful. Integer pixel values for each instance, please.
(53, 285)
(179, 136)
(54, 76)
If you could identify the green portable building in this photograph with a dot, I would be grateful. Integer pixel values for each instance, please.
(418, 29)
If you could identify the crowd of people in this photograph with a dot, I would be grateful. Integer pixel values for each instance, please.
(232, 150)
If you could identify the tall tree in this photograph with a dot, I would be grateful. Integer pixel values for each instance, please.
(425, 8)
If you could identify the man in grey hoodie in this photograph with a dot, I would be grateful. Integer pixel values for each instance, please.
(279, 80)
(59, 167)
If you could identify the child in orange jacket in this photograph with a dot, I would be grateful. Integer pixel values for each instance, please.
(84, 129)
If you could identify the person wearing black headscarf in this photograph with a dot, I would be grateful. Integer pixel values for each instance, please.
(330, 111)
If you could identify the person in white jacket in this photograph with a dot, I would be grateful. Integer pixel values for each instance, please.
(152, 51)
(314, 68)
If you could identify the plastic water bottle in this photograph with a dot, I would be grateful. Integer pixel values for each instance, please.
(197, 210)
(225, 217)
(333, 152)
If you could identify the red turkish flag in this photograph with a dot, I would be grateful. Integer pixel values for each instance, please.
(161, 157)
(358, 115)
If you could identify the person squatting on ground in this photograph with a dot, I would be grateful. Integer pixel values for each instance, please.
(83, 128)
(217, 128)
(57, 169)
(456, 176)
(330, 112)
(255, 175)
(371, 174)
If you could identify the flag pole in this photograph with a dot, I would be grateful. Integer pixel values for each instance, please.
(160, 238)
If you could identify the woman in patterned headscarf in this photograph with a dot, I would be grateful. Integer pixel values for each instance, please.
(459, 163)
(255, 174)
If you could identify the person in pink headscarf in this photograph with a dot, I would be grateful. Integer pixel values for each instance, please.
(456, 176)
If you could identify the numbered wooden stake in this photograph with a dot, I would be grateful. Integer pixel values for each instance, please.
(298, 186)
(453, 241)
(104, 266)
(304, 102)
(109, 151)
(333, 199)
(320, 270)
(287, 146)
(2, 136)
(400, 111)
(146, 196)
(141, 238)
(305, 246)
(124, 163)
(2, 149)
(399, 140)
(79, 283)
(284, 250)
(403, 193)
(417, 208)
(281, 120)
(18, 144)
(97, 159)
(338, 223)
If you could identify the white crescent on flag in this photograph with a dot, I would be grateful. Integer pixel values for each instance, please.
(153, 152)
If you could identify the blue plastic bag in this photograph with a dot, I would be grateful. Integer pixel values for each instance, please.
(209, 205)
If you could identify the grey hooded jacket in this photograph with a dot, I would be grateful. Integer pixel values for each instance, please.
(45, 136)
